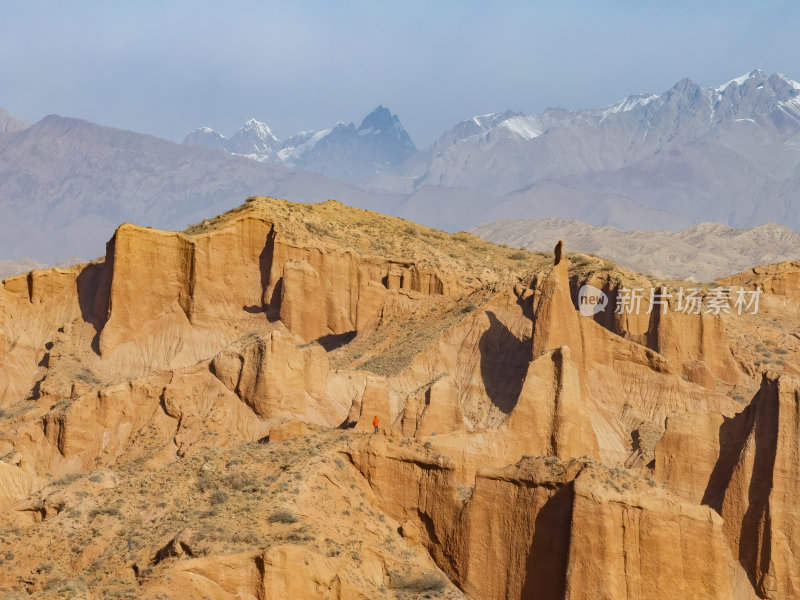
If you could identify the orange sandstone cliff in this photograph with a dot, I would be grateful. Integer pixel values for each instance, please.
(191, 416)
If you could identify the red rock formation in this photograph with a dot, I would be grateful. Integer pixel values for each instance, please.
(374, 402)
(548, 529)
(279, 322)
(282, 571)
(687, 453)
(745, 467)
(631, 540)
(556, 322)
(277, 376)
(754, 485)
(697, 344)
(434, 409)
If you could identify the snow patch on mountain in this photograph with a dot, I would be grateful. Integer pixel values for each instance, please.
(378, 143)
(526, 128)
(295, 147)
(739, 80)
(630, 103)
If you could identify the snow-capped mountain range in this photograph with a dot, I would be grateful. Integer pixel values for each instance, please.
(560, 143)
(344, 151)
(728, 154)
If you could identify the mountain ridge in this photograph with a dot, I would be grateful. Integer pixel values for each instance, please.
(703, 252)
(379, 142)
(65, 184)
(729, 154)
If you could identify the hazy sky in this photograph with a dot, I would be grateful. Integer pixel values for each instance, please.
(166, 68)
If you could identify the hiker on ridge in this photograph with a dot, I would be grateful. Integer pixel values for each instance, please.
(375, 423)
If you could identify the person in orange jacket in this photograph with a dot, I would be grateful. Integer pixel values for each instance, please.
(375, 423)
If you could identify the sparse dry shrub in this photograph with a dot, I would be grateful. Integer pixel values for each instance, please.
(67, 479)
(283, 516)
(426, 582)
(469, 307)
(242, 482)
(104, 510)
(219, 497)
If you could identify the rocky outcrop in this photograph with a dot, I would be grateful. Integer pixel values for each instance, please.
(687, 453)
(550, 417)
(225, 278)
(432, 410)
(282, 571)
(782, 279)
(631, 540)
(754, 484)
(745, 467)
(555, 322)
(294, 327)
(177, 410)
(482, 357)
(615, 372)
(278, 377)
(697, 345)
(138, 296)
(33, 307)
(374, 403)
(550, 529)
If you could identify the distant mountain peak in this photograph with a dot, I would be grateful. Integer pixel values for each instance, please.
(792, 83)
(379, 116)
(259, 127)
(9, 124)
(382, 121)
(631, 103)
(756, 74)
(344, 150)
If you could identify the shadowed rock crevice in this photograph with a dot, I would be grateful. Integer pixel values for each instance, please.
(546, 565)
(754, 545)
(94, 294)
(504, 362)
(742, 483)
(335, 340)
(272, 304)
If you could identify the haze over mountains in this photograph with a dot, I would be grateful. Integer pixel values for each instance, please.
(703, 253)
(8, 124)
(66, 184)
(729, 153)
